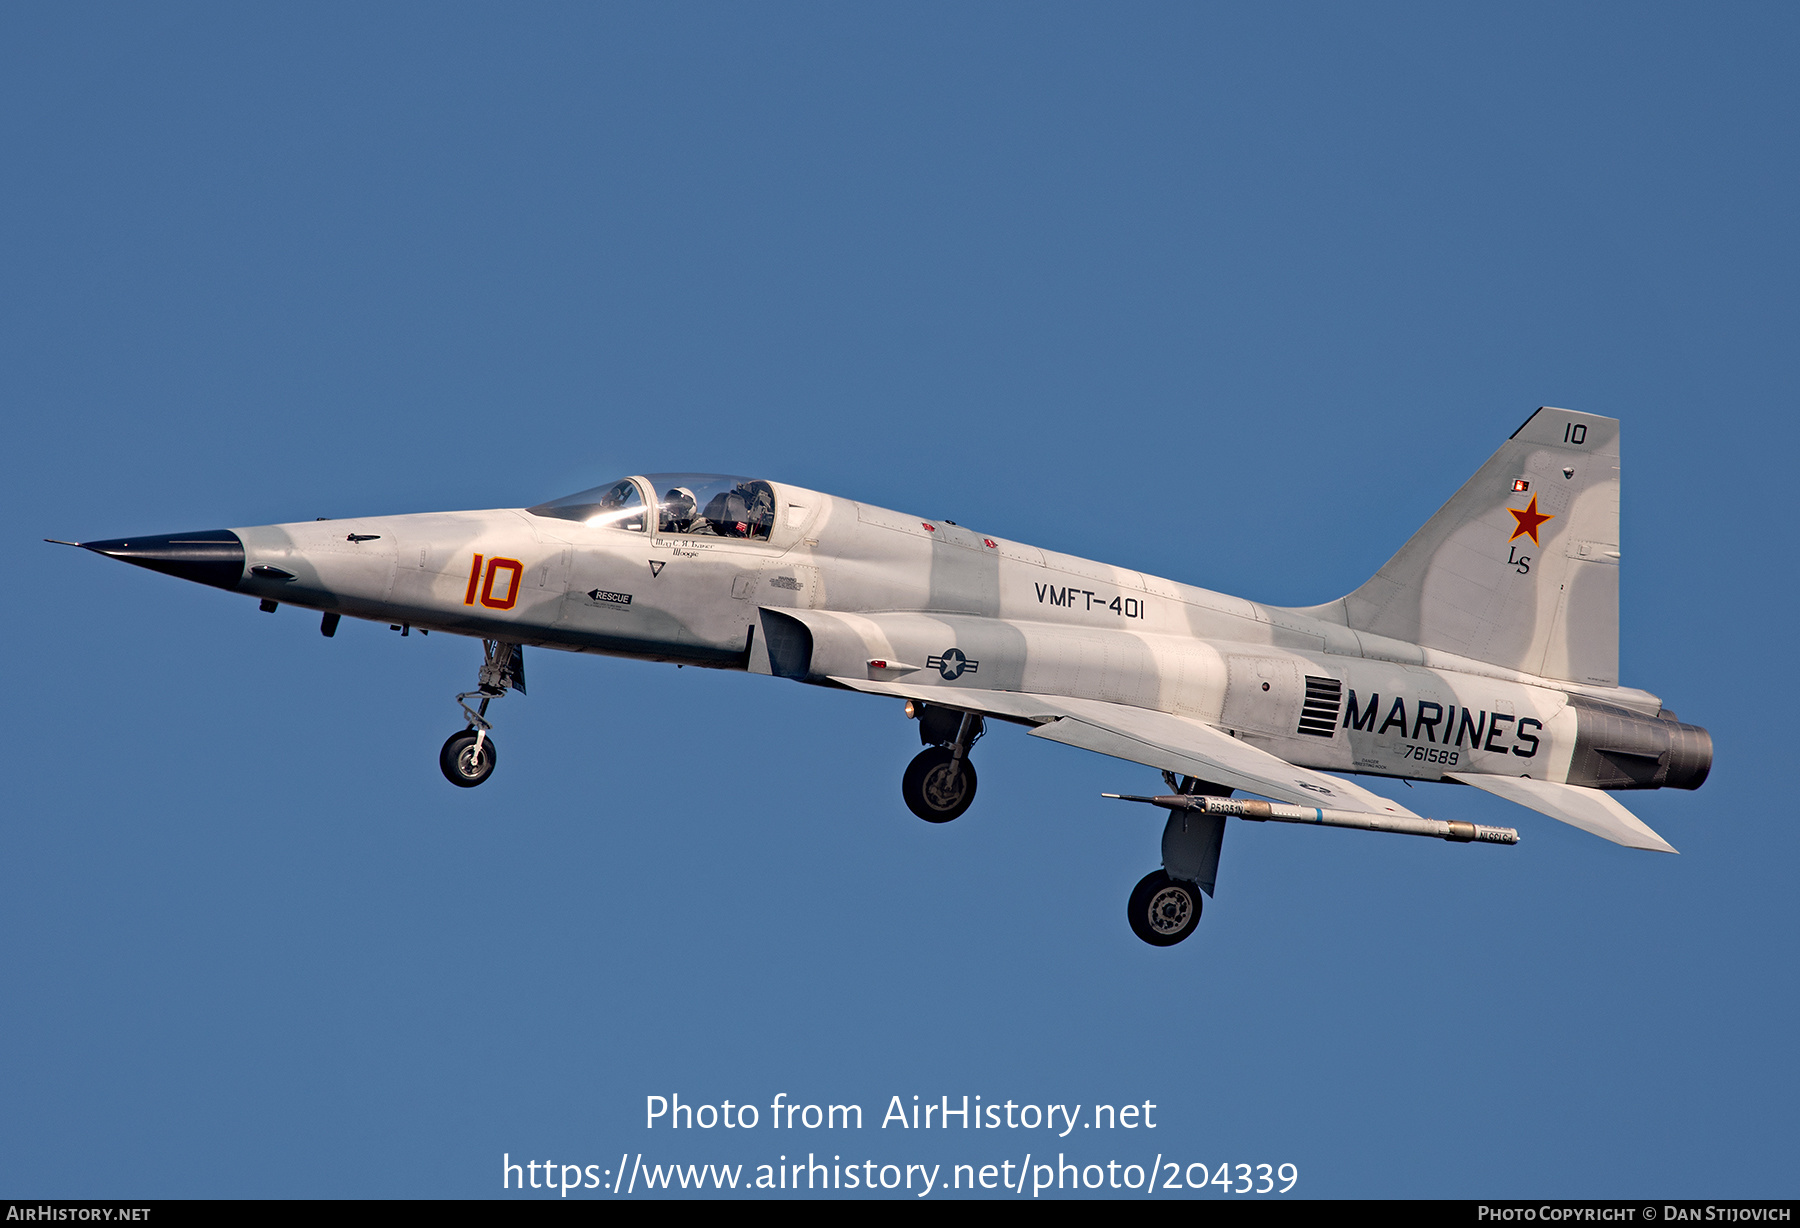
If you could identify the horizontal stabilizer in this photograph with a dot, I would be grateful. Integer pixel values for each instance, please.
(1589, 809)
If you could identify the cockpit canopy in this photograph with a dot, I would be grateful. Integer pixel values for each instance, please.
(687, 505)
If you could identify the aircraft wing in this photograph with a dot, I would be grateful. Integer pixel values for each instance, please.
(1589, 809)
(1159, 740)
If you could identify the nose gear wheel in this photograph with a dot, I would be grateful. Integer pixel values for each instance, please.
(469, 756)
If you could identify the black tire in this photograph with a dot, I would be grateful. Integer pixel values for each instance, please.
(459, 763)
(1163, 910)
(936, 789)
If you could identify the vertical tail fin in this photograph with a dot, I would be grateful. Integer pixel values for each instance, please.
(1521, 567)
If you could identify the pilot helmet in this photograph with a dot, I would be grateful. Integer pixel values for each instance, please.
(678, 509)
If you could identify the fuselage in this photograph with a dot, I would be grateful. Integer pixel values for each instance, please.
(942, 609)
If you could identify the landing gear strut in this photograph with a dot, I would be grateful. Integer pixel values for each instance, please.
(469, 755)
(939, 784)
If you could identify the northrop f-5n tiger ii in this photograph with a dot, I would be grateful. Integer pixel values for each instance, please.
(1485, 652)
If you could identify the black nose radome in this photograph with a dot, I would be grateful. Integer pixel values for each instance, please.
(210, 556)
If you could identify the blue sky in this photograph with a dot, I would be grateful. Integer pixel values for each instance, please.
(1237, 295)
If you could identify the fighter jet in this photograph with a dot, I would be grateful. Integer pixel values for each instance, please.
(1484, 652)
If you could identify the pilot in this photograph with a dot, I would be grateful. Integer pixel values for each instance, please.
(678, 509)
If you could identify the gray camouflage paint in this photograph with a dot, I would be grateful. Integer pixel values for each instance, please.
(1451, 624)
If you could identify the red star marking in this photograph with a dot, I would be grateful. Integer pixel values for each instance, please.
(1528, 522)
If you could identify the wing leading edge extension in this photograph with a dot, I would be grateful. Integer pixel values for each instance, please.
(1160, 740)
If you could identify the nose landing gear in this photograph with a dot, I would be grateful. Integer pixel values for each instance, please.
(469, 755)
(939, 784)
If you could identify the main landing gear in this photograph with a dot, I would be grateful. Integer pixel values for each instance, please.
(469, 755)
(1164, 907)
(1163, 910)
(940, 782)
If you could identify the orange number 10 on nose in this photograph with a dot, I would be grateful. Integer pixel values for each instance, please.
(495, 566)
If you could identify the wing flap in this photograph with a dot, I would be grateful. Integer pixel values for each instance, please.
(1194, 749)
(1591, 810)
